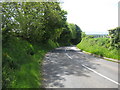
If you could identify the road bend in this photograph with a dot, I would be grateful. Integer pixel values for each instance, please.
(68, 67)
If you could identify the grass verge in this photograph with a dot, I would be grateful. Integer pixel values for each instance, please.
(22, 61)
(99, 46)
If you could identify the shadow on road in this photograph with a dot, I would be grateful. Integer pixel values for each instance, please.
(57, 65)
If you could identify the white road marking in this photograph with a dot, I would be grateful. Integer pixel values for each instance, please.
(95, 71)
(68, 55)
(101, 75)
(65, 50)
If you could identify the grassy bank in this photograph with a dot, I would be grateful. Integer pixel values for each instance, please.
(99, 46)
(22, 63)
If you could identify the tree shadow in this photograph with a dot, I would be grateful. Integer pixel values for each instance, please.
(57, 64)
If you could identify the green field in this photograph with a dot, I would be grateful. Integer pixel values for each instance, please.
(99, 46)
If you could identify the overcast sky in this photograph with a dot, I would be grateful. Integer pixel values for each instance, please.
(92, 16)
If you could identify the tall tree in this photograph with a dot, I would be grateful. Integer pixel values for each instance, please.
(34, 21)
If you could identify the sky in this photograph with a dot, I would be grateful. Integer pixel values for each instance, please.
(92, 16)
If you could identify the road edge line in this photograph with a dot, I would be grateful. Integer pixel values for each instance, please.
(100, 74)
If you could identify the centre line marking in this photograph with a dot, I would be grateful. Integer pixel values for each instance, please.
(65, 50)
(101, 75)
(68, 55)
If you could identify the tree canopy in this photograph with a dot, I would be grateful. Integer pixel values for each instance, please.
(38, 22)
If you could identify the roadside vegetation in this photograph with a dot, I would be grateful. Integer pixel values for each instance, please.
(29, 31)
(105, 47)
(22, 62)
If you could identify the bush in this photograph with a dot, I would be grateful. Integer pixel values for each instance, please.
(115, 37)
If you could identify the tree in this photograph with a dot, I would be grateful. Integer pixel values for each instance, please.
(83, 35)
(65, 36)
(55, 20)
(33, 21)
(76, 33)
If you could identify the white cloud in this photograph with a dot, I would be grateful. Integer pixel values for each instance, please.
(93, 16)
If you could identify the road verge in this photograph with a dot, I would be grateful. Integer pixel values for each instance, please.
(108, 59)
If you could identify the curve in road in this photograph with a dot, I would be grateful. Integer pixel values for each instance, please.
(68, 67)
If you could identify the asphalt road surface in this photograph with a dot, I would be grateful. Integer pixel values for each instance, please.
(68, 67)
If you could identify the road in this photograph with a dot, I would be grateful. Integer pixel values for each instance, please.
(68, 67)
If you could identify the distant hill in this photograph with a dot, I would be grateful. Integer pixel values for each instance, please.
(98, 35)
